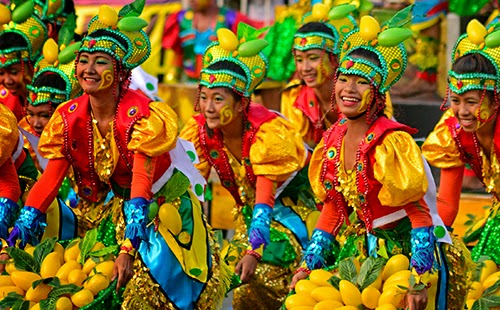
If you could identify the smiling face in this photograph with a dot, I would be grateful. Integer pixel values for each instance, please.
(468, 106)
(219, 107)
(313, 65)
(353, 94)
(38, 116)
(95, 72)
(13, 78)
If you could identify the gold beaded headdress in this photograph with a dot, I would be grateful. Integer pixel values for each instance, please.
(338, 20)
(54, 11)
(481, 41)
(119, 35)
(60, 60)
(18, 20)
(244, 51)
(384, 42)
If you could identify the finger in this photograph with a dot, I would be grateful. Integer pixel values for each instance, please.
(237, 270)
(115, 273)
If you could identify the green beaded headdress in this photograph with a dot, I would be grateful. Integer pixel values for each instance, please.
(243, 50)
(54, 11)
(60, 60)
(385, 42)
(338, 20)
(18, 19)
(481, 41)
(119, 35)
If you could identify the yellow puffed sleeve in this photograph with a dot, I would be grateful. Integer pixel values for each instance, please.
(400, 169)
(156, 134)
(8, 133)
(52, 139)
(315, 166)
(440, 148)
(294, 115)
(278, 150)
(191, 133)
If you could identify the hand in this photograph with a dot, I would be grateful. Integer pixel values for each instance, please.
(246, 268)
(124, 270)
(297, 277)
(3, 257)
(417, 300)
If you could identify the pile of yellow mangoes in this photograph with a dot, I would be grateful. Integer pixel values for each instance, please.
(92, 277)
(387, 292)
(488, 276)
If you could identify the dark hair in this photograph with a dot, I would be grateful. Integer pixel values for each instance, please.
(316, 27)
(365, 54)
(105, 33)
(12, 39)
(231, 66)
(50, 79)
(69, 7)
(473, 63)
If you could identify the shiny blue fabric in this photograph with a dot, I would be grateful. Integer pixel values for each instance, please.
(422, 249)
(166, 270)
(259, 233)
(291, 220)
(29, 226)
(314, 255)
(136, 217)
(68, 226)
(8, 213)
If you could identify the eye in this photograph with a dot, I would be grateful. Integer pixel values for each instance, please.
(203, 97)
(83, 61)
(219, 99)
(314, 58)
(342, 79)
(102, 62)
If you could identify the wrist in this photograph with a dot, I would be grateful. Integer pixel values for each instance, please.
(303, 269)
(259, 234)
(127, 248)
(254, 254)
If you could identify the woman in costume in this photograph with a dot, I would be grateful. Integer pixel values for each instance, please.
(370, 164)
(468, 131)
(258, 157)
(117, 139)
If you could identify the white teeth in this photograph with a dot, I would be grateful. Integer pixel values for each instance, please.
(350, 99)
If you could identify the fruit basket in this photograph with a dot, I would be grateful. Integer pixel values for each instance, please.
(50, 276)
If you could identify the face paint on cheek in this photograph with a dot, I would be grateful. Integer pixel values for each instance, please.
(483, 113)
(107, 79)
(226, 115)
(365, 101)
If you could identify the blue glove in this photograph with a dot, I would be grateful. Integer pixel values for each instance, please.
(422, 249)
(260, 228)
(318, 247)
(8, 213)
(136, 216)
(29, 226)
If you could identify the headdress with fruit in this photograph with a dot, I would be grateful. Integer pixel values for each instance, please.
(243, 50)
(385, 42)
(119, 35)
(57, 59)
(338, 20)
(19, 20)
(54, 11)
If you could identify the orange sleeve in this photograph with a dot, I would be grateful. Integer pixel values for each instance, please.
(329, 219)
(142, 176)
(46, 188)
(9, 181)
(419, 214)
(266, 189)
(450, 188)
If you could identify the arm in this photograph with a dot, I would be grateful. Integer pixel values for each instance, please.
(450, 188)
(9, 195)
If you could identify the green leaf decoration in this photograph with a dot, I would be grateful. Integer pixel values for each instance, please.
(175, 187)
(195, 271)
(9, 300)
(43, 249)
(104, 251)
(21, 305)
(341, 11)
(245, 30)
(394, 36)
(334, 281)
(347, 270)
(369, 271)
(132, 9)
(492, 289)
(67, 31)
(23, 260)
(48, 304)
(492, 40)
(87, 244)
(401, 18)
(67, 289)
(252, 48)
(131, 23)
(153, 210)
(69, 53)
(492, 300)
(476, 275)
(23, 11)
